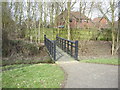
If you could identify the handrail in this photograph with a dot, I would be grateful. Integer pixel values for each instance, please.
(71, 47)
(51, 47)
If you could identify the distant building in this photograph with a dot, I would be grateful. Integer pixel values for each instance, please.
(76, 20)
(100, 22)
(116, 24)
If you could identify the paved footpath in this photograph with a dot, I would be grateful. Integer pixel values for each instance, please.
(87, 75)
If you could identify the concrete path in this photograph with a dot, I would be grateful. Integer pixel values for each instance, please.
(86, 75)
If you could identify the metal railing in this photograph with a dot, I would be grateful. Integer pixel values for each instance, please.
(71, 47)
(51, 47)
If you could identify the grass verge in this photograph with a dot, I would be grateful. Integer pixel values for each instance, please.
(33, 76)
(103, 61)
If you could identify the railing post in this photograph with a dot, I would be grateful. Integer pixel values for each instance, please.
(45, 39)
(71, 49)
(54, 47)
(62, 44)
(58, 42)
(76, 50)
(65, 45)
(68, 47)
(56, 39)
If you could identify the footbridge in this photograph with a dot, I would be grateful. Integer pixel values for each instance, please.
(61, 49)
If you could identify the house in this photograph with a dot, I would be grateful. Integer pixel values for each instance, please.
(100, 22)
(77, 20)
(116, 24)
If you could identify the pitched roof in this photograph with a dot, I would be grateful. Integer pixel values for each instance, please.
(99, 19)
(78, 15)
(72, 14)
(100, 22)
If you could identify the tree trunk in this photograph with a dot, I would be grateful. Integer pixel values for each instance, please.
(40, 21)
(68, 19)
(39, 32)
(117, 42)
(113, 41)
(113, 27)
(28, 20)
(111, 23)
(45, 15)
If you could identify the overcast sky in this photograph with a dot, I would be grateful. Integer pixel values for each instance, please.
(95, 12)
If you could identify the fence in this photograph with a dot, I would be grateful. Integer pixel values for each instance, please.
(51, 47)
(68, 46)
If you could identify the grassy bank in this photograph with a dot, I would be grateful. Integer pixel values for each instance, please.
(32, 76)
(103, 61)
(23, 52)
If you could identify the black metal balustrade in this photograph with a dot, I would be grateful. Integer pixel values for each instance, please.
(51, 47)
(68, 46)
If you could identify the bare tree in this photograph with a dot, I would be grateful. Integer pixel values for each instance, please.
(62, 6)
(57, 11)
(69, 7)
(45, 14)
(40, 20)
(28, 19)
(111, 11)
(34, 16)
(68, 18)
(118, 31)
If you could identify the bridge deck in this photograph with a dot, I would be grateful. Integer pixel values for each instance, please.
(62, 56)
